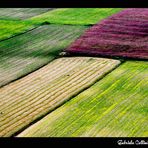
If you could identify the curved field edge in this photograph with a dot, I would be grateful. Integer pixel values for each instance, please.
(37, 94)
(75, 16)
(26, 53)
(116, 106)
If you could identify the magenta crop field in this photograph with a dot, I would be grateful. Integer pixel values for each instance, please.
(123, 35)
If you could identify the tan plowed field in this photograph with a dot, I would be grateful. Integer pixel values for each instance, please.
(35, 95)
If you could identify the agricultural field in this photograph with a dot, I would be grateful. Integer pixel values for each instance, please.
(21, 13)
(79, 16)
(27, 52)
(11, 28)
(123, 35)
(40, 92)
(73, 72)
(114, 106)
(14, 21)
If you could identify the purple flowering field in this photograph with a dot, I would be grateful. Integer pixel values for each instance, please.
(123, 35)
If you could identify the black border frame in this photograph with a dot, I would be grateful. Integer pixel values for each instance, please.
(73, 3)
(75, 142)
(70, 142)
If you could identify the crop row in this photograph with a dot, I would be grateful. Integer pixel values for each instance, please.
(75, 16)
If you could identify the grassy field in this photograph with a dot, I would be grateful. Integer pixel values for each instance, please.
(25, 53)
(116, 106)
(123, 35)
(10, 28)
(21, 13)
(75, 16)
(35, 95)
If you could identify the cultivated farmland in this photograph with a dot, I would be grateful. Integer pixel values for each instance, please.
(81, 16)
(123, 35)
(40, 92)
(21, 13)
(73, 72)
(10, 28)
(25, 53)
(115, 106)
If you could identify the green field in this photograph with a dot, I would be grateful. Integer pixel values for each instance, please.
(79, 16)
(9, 28)
(25, 53)
(116, 106)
